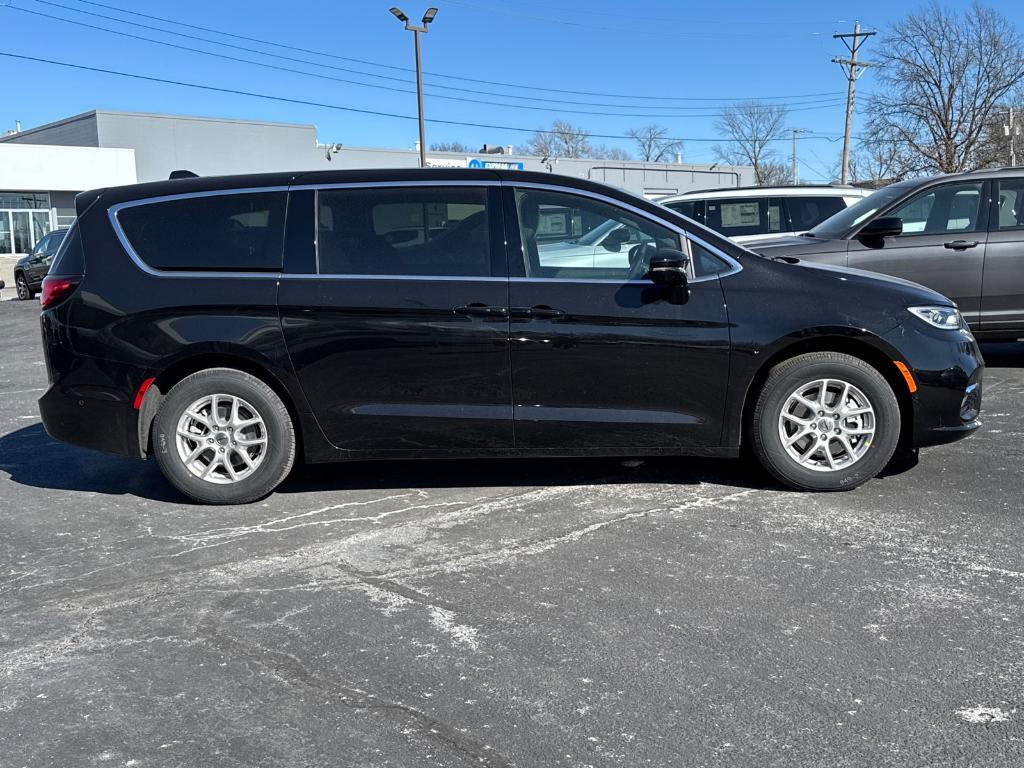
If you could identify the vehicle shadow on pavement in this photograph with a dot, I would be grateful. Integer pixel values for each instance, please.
(33, 458)
(520, 472)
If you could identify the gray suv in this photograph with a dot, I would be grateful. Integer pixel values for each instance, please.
(961, 235)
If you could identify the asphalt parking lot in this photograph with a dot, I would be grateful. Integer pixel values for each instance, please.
(517, 613)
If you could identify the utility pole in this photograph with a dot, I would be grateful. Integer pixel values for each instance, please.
(428, 17)
(853, 69)
(795, 172)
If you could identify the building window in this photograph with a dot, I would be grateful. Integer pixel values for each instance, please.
(24, 200)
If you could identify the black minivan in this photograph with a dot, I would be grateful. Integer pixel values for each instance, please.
(229, 325)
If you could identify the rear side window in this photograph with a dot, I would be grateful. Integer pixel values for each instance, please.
(69, 259)
(240, 232)
(807, 212)
(736, 217)
(436, 231)
(1010, 204)
(691, 209)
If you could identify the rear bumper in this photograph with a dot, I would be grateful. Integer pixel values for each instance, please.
(97, 422)
(948, 368)
(89, 401)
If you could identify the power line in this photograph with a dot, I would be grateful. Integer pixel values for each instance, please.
(804, 107)
(803, 100)
(322, 105)
(438, 74)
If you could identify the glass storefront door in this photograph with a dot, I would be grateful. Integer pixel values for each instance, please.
(21, 229)
(6, 241)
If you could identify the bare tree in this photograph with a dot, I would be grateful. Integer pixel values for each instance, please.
(602, 152)
(449, 146)
(879, 161)
(751, 127)
(560, 140)
(775, 174)
(994, 149)
(942, 74)
(654, 144)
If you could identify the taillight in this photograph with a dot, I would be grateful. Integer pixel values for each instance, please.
(56, 288)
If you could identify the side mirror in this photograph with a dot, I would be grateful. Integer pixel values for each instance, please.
(616, 239)
(668, 267)
(882, 227)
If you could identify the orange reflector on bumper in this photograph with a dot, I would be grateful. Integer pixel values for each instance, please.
(907, 376)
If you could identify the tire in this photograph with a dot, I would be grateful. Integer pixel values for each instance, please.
(205, 457)
(829, 463)
(21, 286)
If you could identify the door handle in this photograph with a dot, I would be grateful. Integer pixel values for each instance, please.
(960, 245)
(544, 312)
(539, 312)
(481, 310)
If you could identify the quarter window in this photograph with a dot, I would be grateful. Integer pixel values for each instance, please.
(941, 210)
(404, 231)
(568, 236)
(238, 232)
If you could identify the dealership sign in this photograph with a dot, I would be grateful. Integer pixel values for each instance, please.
(507, 165)
(474, 162)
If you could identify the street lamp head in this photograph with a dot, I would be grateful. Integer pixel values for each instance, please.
(429, 15)
(398, 14)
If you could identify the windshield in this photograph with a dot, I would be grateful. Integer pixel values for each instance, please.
(594, 236)
(838, 225)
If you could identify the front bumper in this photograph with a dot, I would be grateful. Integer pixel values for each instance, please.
(947, 368)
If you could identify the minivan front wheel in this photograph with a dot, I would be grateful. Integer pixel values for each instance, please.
(223, 436)
(825, 421)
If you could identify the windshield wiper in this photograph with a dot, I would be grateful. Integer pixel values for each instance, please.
(807, 234)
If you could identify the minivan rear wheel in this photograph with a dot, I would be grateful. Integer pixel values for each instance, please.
(223, 436)
(825, 421)
(21, 286)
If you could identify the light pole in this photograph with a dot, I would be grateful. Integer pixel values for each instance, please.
(416, 32)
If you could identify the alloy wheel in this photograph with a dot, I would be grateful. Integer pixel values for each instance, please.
(827, 425)
(221, 439)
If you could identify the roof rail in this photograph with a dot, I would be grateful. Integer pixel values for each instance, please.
(183, 174)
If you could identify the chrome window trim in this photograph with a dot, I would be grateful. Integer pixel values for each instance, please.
(385, 184)
(435, 278)
(734, 266)
(114, 210)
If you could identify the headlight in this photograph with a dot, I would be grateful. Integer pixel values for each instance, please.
(947, 318)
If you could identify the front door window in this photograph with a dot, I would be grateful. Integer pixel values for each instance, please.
(946, 209)
(573, 236)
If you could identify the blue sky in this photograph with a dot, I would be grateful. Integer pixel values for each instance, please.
(691, 57)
